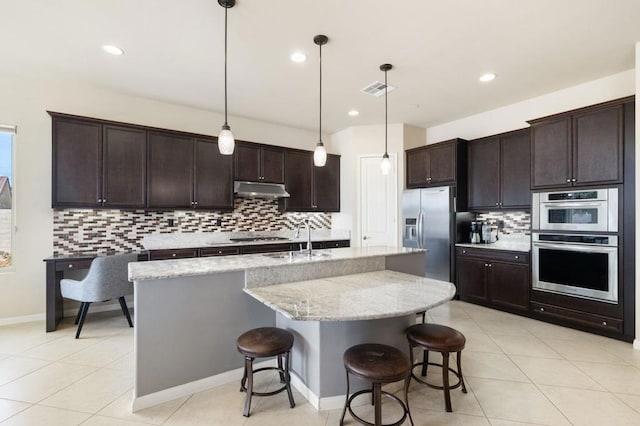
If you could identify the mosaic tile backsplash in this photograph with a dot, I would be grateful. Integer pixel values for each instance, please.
(514, 222)
(106, 231)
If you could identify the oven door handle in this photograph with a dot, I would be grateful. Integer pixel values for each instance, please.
(576, 205)
(575, 247)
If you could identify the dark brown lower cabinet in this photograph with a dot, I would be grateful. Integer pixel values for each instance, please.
(493, 277)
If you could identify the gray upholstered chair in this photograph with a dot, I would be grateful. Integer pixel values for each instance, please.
(107, 279)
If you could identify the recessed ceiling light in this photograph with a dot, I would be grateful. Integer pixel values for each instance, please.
(298, 57)
(487, 77)
(113, 50)
(353, 113)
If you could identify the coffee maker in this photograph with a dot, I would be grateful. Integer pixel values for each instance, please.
(475, 236)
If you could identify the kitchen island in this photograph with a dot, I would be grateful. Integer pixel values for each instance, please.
(189, 312)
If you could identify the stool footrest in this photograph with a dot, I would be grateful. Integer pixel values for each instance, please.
(384, 393)
(424, 382)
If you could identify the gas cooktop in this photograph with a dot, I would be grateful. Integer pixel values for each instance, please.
(245, 239)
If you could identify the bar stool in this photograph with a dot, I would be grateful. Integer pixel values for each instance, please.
(379, 364)
(262, 343)
(438, 338)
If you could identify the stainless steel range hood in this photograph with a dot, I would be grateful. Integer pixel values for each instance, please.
(259, 190)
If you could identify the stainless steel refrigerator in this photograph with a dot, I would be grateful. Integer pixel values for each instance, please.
(429, 221)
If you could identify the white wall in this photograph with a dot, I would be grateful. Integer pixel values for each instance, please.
(352, 143)
(515, 116)
(24, 103)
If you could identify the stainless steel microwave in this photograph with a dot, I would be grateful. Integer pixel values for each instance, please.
(585, 210)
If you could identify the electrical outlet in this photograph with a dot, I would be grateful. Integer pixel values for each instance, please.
(219, 221)
(501, 224)
(170, 222)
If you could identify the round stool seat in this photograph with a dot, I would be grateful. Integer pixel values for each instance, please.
(436, 337)
(264, 342)
(376, 362)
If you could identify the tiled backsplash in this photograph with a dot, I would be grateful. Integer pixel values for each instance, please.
(514, 222)
(103, 231)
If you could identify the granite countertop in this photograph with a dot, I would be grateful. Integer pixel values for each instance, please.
(177, 240)
(516, 242)
(175, 268)
(372, 295)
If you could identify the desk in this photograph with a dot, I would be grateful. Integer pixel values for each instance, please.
(56, 267)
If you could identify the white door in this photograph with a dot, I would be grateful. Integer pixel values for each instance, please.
(378, 203)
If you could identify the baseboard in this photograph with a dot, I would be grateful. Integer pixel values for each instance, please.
(636, 344)
(67, 313)
(190, 388)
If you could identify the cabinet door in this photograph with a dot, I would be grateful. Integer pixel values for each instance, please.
(247, 158)
(509, 285)
(484, 174)
(442, 164)
(551, 153)
(597, 146)
(298, 171)
(213, 183)
(471, 278)
(124, 167)
(77, 165)
(272, 164)
(170, 171)
(515, 170)
(417, 168)
(326, 185)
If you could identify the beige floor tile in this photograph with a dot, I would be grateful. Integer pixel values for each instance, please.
(9, 408)
(524, 345)
(425, 398)
(57, 349)
(616, 378)
(480, 342)
(14, 367)
(632, 401)
(466, 326)
(450, 311)
(219, 406)
(38, 415)
(100, 354)
(582, 350)
(110, 421)
(92, 393)
(44, 382)
(121, 409)
(500, 422)
(302, 414)
(555, 372)
(125, 362)
(520, 402)
(436, 418)
(504, 326)
(545, 330)
(585, 407)
(491, 366)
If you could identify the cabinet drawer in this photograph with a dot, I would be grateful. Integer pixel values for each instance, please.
(491, 254)
(582, 318)
(172, 254)
(70, 265)
(266, 248)
(217, 251)
(336, 244)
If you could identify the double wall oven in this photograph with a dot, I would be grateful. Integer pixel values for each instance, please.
(575, 243)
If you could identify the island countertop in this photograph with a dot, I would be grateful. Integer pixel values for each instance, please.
(371, 295)
(175, 268)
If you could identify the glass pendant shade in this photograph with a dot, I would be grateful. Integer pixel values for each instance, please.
(320, 155)
(385, 164)
(226, 141)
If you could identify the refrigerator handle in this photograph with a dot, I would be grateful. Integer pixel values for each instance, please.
(419, 229)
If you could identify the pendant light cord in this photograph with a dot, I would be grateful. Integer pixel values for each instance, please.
(386, 120)
(320, 124)
(225, 66)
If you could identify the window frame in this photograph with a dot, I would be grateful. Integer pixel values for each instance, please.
(13, 131)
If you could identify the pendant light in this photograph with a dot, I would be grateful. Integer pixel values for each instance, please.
(385, 165)
(320, 153)
(226, 141)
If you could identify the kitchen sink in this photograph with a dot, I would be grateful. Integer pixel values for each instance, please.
(296, 254)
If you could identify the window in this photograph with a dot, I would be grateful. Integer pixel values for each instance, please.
(7, 196)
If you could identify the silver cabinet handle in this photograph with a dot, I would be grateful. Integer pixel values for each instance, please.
(604, 323)
(70, 266)
(489, 265)
(173, 255)
(573, 180)
(517, 257)
(486, 264)
(568, 180)
(541, 309)
(464, 252)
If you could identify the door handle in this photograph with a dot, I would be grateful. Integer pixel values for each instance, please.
(364, 238)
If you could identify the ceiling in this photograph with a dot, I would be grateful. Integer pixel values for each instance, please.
(174, 52)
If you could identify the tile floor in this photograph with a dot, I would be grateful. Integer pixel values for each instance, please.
(518, 371)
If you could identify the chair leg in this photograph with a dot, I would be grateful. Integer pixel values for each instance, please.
(83, 316)
(125, 310)
(248, 365)
(377, 396)
(425, 363)
(79, 313)
(445, 381)
(407, 381)
(287, 378)
(281, 369)
(346, 401)
(464, 388)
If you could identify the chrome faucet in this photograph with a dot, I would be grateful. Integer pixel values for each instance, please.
(297, 235)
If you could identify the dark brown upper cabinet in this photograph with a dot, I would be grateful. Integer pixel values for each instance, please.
(581, 147)
(259, 163)
(437, 164)
(188, 173)
(311, 188)
(499, 172)
(97, 164)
